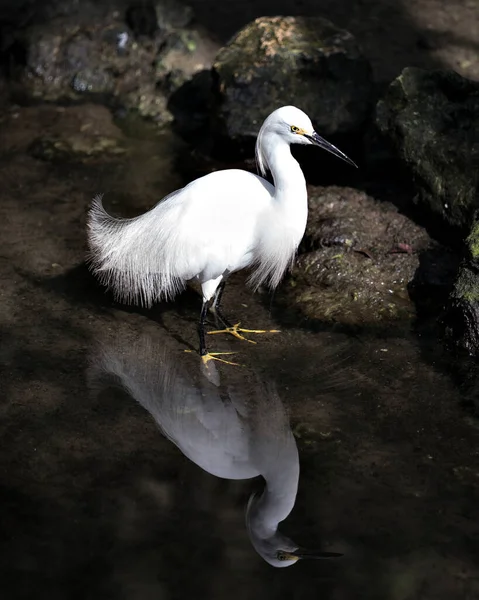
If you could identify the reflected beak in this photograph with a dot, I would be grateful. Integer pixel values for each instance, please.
(302, 553)
(317, 140)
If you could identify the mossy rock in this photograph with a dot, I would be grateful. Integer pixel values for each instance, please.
(307, 62)
(431, 119)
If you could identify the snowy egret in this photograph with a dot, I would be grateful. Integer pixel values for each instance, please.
(216, 225)
(237, 430)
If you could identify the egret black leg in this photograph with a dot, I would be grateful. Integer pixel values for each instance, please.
(201, 328)
(205, 355)
(216, 306)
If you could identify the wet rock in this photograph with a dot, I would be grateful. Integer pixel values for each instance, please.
(94, 82)
(462, 314)
(431, 119)
(357, 259)
(68, 133)
(121, 56)
(303, 61)
(74, 147)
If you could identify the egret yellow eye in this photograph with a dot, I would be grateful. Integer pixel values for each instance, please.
(282, 556)
(294, 129)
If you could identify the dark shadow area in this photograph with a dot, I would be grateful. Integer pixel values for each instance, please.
(430, 289)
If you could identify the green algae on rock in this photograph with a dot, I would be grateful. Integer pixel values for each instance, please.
(303, 61)
(431, 118)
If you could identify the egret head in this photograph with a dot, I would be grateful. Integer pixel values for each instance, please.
(274, 547)
(294, 126)
(279, 551)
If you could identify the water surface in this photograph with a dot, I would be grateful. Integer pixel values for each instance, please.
(100, 500)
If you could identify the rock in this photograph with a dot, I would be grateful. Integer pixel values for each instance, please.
(93, 81)
(303, 61)
(68, 133)
(357, 259)
(90, 51)
(431, 119)
(75, 147)
(462, 312)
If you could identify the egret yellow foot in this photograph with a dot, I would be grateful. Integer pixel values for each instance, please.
(214, 356)
(236, 330)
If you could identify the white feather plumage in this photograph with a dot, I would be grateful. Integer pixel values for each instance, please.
(218, 224)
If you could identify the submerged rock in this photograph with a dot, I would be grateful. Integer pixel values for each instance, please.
(68, 133)
(357, 259)
(431, 119)
(303, 61)
(123, 56)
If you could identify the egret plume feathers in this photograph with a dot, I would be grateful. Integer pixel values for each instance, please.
(126, 254)
(277, 251)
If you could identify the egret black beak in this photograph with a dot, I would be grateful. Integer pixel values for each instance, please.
(302, 553)
(322, 143)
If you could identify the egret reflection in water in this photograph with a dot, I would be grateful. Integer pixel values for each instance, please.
(233, 429)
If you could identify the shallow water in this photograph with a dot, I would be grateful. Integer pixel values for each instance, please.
(97, 502)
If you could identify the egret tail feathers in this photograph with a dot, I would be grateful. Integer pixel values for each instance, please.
(136, 258)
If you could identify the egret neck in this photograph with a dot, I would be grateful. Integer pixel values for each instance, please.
(290, 185)
(279, 495)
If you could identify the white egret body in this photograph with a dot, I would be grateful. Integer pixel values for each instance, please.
(216, 225)
(233, 431)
